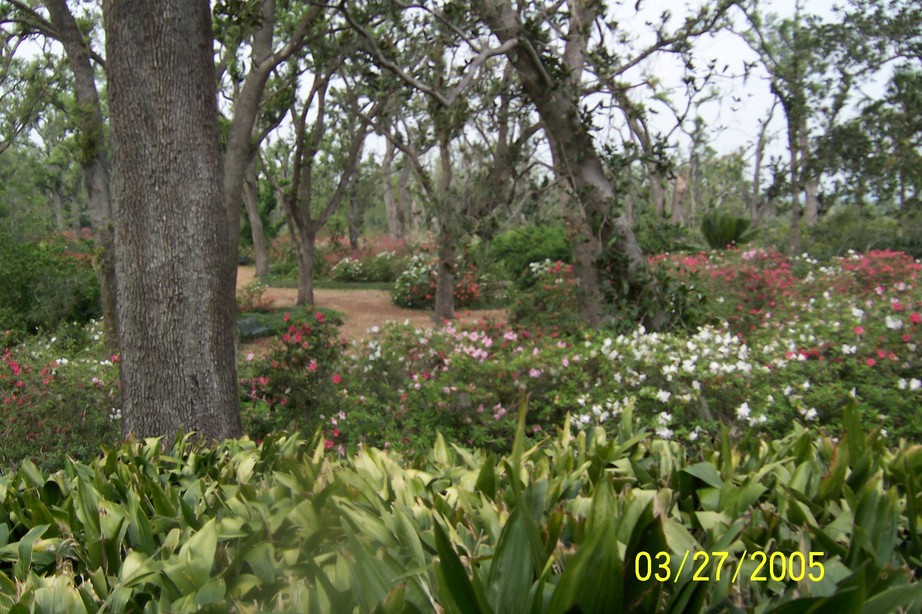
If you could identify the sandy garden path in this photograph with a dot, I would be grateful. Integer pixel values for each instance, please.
(363, 309)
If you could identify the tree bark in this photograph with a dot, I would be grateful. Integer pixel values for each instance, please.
(307, 250)
(394, 221)
(409, 217)
(679, 197)
(258, 232)
(445, 283)
(174, 254)
(57, 206)
(94, 160)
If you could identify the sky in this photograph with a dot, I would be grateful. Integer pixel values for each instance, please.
(733, 120)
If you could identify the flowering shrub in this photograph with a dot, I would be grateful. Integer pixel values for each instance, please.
(811, 347)
(251, 298)
(57, 398)
(551, 299)
(348, 269)
(415, 287)
(298, 376)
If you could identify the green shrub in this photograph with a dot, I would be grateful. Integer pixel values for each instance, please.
(839, 232)
(43, 285)
(656, 235)
(722, 230)
(520, 247)
(348, 269)
(550, 299)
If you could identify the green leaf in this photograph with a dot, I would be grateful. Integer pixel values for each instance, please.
(511, 569)
(706, 472)
(24, 562)
(455, 586)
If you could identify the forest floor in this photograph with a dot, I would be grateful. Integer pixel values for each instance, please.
(360, 309)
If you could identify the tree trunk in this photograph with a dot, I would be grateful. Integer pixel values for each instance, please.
(811, 204)
(394, 222)
(795, 194)
(445, 280)
(173, 249)
(355, 223)
(409, 218)
(57, 205)
(251, 202)
(307, 251)
(576, 160)
(94, 159)
(679, 196)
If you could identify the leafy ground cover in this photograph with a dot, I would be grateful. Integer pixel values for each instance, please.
(570, 524)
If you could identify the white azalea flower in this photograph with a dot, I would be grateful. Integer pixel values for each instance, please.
(893, 323)
(743, 411)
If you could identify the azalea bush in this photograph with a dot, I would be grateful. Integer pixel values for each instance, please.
(58, 397)
(550, 299)
(415, 287)
(790, 348)
(298, 379)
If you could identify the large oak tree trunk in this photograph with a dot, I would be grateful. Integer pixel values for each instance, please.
(94, 159)
(174, 254)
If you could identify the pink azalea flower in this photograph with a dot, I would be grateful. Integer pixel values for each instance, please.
(337, 378)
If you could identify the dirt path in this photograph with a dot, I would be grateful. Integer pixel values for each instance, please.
(363, 309)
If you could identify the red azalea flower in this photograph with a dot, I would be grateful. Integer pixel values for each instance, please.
(319, 317)
(915, 318)
(870, 362)
(337, 378)
(328, 444)
(859, 330)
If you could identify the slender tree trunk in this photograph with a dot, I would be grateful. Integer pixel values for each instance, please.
(174, 252)
(394, 223)
(811, 204)
(75, 215)
(57, 206)
(445, 284)
(251, 202)
(94, 159)
(409, 218)
(355, 223)
(679, 197)
(795, 194)
(307, 251)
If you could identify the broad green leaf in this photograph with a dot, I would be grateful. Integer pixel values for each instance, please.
(455, 585)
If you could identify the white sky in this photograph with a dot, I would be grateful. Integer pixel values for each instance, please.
(733, 124)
